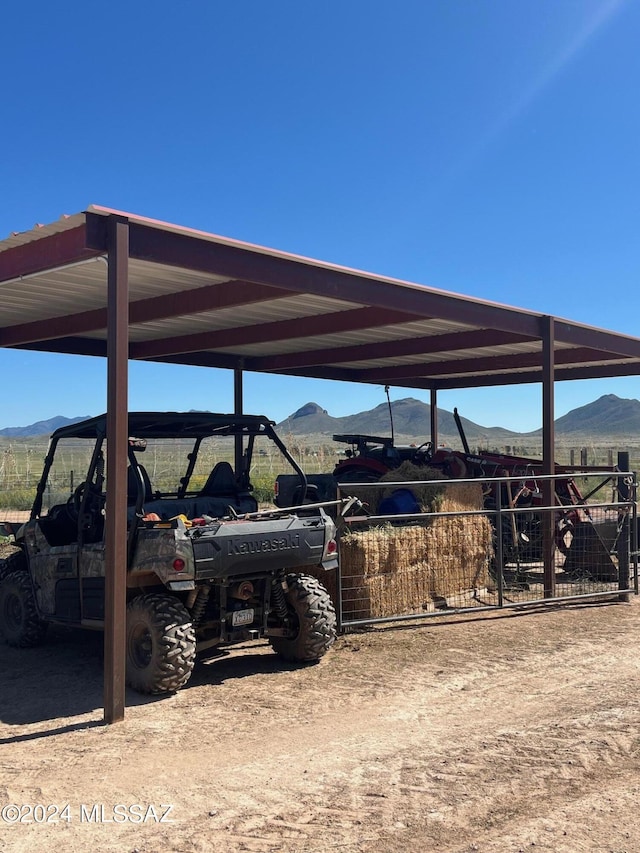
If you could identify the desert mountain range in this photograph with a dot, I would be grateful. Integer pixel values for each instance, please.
(609, 416)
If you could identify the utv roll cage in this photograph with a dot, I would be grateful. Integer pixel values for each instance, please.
(166, 425)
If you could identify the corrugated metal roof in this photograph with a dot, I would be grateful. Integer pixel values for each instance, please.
(19, 238)
(204, 299)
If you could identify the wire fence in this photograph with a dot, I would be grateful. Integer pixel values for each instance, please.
(437, 547)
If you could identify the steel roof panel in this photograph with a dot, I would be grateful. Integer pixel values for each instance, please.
(267, 308)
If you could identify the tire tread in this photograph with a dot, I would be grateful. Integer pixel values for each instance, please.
(317, 620)
(175, 645)
(33, 629)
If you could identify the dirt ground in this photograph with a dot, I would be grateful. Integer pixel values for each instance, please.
(498, 733)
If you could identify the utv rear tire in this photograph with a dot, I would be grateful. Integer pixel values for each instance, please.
(20, 623)
(313, 619)
(161, 644)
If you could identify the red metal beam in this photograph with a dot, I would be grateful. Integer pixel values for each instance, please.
(302, 275)
(69, 346)
(56, 250)
(471, 339)
(95, 347)
(305, 276)
(475, 366)
(586, 336)
(228, 294)
(468, 380)
(212, 359)
(597, 371)
(297, 327)
(90, 346)
(524, 377)
(214, 297)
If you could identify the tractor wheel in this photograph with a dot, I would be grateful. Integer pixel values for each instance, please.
(12, 561)
(312, 619)
(20, 623)
(161, 644)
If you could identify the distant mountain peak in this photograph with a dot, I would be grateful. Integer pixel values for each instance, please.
(308, 410)
(411, 419)
(609, 415)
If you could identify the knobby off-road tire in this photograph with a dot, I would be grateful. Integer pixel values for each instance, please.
(19, 621)
(313, 617)
(161, 644)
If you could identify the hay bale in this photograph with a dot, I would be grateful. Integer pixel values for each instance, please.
(393, 570)
(428, 495)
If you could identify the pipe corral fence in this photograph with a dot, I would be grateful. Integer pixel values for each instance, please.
(438, 547)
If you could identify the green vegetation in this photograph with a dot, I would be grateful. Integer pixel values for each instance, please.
(21, 463)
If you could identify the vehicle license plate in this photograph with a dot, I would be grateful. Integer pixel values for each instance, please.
(242, 617)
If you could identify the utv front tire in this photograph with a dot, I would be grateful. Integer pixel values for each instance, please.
(20, 623)
(13, 560)
(312, 619)
(161, 644)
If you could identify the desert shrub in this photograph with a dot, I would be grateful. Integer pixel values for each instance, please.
(263, 487)
(17, 498)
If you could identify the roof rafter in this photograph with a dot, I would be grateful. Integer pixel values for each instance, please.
(228, 294)
(97, 347)
(469, 339)
(516, 361)
(524, 377)
(297, 327)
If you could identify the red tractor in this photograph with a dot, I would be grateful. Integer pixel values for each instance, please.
(370, 457)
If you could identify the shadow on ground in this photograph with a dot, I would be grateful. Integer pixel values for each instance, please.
(64, 678)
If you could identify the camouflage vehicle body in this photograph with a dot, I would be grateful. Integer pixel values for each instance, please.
(204, 566)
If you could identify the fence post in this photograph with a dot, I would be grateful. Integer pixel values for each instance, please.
(623, 539)
(634, 532)
(499, 549)
(338, 602)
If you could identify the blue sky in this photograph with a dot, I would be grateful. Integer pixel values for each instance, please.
(488, 147)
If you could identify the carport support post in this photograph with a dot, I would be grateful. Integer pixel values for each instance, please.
(548, 455)
(433, 412)
(238, 409)
(117, 431)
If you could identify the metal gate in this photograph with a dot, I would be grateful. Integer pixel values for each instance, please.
(438, 547)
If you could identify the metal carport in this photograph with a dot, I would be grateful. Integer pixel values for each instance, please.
(112, 284)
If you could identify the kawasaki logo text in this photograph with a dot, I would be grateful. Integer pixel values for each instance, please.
(260, 546)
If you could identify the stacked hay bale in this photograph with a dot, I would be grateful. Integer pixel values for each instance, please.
(391, 569)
